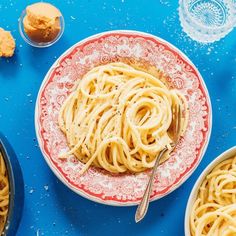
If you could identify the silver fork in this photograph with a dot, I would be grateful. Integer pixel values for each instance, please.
(175, 127)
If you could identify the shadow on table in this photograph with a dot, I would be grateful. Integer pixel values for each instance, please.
(41, 59)
(89, 218)
(9, 66)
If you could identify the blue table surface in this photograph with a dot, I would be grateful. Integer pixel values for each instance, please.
(50, 207)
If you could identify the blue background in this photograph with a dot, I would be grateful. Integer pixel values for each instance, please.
(52, 209)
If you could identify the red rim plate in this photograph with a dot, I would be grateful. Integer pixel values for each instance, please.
(131, 46)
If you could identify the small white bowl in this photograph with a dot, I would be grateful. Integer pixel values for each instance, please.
(193, 195)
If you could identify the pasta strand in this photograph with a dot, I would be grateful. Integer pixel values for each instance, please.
(118, 118)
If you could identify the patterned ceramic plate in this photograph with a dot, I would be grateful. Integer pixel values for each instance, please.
(131, 47)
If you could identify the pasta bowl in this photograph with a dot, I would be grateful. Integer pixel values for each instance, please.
(193, 195)
(150, 53)
(16, 187)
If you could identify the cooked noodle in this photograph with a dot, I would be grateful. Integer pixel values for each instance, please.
(4, 193)
(214, 211)
(118, 118)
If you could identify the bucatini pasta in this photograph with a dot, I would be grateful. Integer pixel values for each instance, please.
(214, 211)
(4, 194)
(118, 118)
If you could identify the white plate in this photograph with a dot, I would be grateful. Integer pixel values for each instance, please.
(225, 155)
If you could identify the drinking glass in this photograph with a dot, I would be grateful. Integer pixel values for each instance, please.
(207, 21)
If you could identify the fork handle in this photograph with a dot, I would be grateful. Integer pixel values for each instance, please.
(143, 205)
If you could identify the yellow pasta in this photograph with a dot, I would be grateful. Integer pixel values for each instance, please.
(4, 194)
(214, 211)
(118, 118)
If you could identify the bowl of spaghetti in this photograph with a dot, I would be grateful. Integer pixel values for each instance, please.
(104, 112)
(11, 189)
(211, 208)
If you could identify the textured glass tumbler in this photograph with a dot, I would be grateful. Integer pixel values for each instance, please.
(207, 21)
